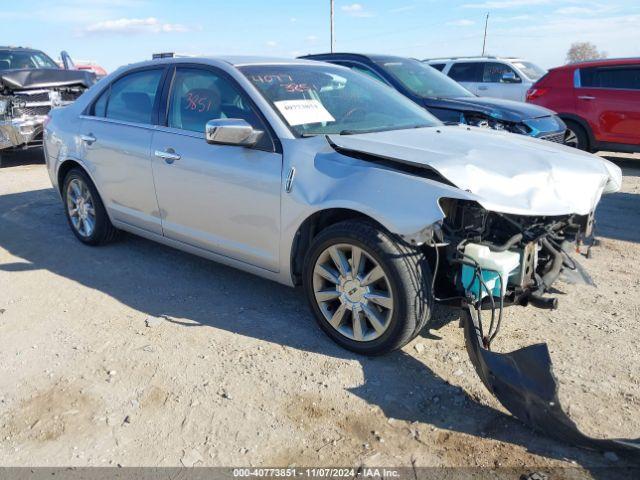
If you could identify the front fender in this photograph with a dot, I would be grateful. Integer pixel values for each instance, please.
(404, 203)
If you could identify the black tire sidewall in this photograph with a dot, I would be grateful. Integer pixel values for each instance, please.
(401, 324)
(102, 220)
(581, 135)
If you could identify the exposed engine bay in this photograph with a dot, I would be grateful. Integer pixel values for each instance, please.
(540, 244)
(471, 248)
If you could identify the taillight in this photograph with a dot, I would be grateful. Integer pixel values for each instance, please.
(534, 93)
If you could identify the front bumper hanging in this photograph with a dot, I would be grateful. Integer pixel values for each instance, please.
(524, 383)
(16, 132)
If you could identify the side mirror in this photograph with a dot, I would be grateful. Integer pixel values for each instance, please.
(231, 131)
(510, 77)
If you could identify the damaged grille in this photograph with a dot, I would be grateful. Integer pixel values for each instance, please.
(556, 138)
(40, 102)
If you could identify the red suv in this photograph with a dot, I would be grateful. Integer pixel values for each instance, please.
(598, 100)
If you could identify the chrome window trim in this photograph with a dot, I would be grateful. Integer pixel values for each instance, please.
(148, 126)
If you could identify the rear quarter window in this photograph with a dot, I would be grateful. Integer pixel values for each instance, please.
(438, 66)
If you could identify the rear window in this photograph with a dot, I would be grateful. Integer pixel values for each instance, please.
(131, 98)
(627, 78)
(467, 72)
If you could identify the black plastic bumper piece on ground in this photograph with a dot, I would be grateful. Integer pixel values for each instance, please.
(524, 383)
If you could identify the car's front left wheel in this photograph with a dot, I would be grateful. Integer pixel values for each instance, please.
(85, 211)
(369, 291)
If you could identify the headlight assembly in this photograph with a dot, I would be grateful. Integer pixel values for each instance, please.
(4, 106)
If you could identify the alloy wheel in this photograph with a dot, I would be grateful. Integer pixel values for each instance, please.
(81, 208)
(353, 292)
(571, 139)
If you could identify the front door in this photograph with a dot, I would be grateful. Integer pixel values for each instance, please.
(224, 199)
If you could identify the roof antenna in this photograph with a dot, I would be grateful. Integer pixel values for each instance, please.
(484, 42)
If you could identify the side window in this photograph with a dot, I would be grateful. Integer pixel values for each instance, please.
(131, 98)
(100, 106)
(466, 72)
(198, 96)
(438, 66)
(494, 72)
(366, 71)
(627, 78)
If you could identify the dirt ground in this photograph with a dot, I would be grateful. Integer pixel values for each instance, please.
(135, 354)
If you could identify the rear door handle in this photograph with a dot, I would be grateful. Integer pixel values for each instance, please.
(586, 97)
(168, 155)
(482, 87)
(88, 139)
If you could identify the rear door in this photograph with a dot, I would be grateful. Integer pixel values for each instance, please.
(499, 80)
(221, 198)
(468, 74)
(116, 139)
(609, 98)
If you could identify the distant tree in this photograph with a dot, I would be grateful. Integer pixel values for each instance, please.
(581, 51)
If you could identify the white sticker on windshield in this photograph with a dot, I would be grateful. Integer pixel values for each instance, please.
(301, 112)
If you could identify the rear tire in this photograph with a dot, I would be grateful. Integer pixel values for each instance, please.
(576, 136)
(362, 315)
(85, 211)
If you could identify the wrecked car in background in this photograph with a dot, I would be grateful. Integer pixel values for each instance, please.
(31, 84)
(312, 174)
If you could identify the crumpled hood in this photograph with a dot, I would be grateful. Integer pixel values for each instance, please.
(506, 110)
(45, 78)
(507, 173)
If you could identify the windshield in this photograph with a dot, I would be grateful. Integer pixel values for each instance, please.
(326, 99)
(423, 80)
(17, 59)
(531, 70)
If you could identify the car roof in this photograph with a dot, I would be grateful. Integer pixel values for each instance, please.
(472, 59)
(235, 60)
(604, 62)
(374, 57)
(23, 49)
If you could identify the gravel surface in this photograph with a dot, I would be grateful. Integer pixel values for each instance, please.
(137, 354)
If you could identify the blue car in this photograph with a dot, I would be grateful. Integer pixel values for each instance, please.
(448, 100)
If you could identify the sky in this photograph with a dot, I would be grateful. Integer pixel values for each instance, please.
(117, 32)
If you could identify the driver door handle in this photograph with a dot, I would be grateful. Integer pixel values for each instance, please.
(483, 87)
(168, 155)
(88, 139)
(586, 97)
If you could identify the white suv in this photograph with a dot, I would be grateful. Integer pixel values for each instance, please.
(498, 77)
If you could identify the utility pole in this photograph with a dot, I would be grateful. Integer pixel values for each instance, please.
(484, 42)
(332, 34)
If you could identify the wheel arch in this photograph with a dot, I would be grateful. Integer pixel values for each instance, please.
(571, 117)
(69, 164)
(312, 226)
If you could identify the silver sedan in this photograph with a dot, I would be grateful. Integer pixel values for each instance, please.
(309, 173)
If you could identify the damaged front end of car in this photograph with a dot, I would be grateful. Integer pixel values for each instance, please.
(528, 252)
(27, 96)
(487, 260)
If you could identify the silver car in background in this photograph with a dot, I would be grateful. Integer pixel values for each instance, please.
(309, 173)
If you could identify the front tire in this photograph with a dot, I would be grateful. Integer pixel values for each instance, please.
(368, 290)
(85, 211)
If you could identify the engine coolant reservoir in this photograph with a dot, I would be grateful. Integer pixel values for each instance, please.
(496, 269)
